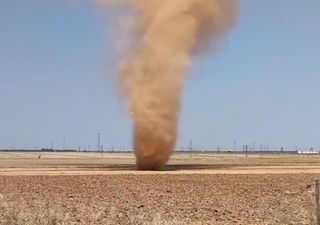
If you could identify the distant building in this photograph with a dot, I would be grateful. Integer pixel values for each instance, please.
(309, 151)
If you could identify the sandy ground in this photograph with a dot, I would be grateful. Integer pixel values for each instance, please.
(186, 171)
(114, 164)
(161, 199)
(202, 189)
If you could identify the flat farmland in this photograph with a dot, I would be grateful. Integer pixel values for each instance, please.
(20, 163)
(91, 188)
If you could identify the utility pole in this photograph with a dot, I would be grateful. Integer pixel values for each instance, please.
(246, 149)
(190, 148)
(102, 151)
(234, 146)
(318, 201)
(64, 145)
(253, 146)
(99, 137)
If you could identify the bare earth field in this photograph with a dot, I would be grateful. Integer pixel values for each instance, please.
(84, 188)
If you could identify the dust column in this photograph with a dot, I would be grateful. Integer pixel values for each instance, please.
(166, 34)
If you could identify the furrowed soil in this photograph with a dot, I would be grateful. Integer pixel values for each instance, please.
(85, 189)
(159, 199)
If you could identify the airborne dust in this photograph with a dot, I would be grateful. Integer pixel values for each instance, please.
(166, 34)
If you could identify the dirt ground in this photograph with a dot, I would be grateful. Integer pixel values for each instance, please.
(203, 189)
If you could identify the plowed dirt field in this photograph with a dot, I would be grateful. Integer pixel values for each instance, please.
(67, 193)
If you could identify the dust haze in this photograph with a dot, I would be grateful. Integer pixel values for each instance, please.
(165, 35)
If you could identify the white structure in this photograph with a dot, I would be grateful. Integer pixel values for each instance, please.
(309, 152)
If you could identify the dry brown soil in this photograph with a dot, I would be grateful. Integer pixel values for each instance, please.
(181, 199)
(233, 191)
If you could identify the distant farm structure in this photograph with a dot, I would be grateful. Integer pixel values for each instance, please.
(311, 151)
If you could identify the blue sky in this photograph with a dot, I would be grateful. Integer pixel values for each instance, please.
(57, 78)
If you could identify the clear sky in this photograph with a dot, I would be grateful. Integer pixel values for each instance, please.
(57, 78)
